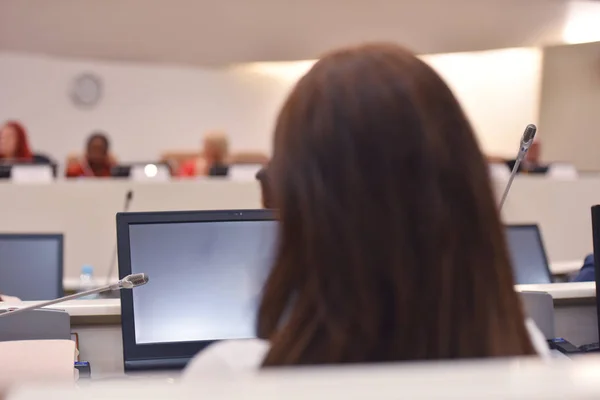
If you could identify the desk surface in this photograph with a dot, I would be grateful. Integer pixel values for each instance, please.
(112, 307)
(560, 291)
(78, 308)
(565, 267)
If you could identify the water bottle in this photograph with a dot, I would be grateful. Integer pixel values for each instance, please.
(86, 281)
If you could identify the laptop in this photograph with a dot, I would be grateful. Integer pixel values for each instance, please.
(206, 270)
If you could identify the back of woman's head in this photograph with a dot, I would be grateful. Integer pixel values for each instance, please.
(390, 244)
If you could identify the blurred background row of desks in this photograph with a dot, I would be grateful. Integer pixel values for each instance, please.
(84, 211)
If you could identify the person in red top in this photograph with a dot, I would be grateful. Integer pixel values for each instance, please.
(212, 160)
(14, 144)
(97, 161)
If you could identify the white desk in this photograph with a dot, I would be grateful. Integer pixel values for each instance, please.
(496, 379)
(566, 267)
(79, 308)
(563, 291)
(575, 312)
(98, 322)
(98, 325)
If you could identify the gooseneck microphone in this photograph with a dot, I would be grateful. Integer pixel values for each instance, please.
(129, 282)
(526, 141)
(113, 259)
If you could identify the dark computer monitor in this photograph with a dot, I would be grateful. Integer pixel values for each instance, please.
(528, 256)
(206, 271)
(596, 243)
(31, 266)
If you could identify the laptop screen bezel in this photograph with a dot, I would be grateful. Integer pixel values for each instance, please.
(163, 355)
(596, 246)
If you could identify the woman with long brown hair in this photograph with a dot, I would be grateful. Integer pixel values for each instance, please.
(390, 243)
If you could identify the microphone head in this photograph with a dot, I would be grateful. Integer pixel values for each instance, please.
(133, 280)
(129, 195)
(529, 134)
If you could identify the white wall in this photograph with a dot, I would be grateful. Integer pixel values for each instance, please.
(498, 89)
(147, 109)
(570, 114)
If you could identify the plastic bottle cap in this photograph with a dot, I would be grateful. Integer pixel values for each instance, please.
(87, 270)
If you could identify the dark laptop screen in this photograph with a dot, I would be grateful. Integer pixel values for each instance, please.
(31, 266)
(528, 256)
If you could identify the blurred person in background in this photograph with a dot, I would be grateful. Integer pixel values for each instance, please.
(212, 161)
(14, 143)
(97, 161)
(587, 273)
(531, 164)
(390, 245)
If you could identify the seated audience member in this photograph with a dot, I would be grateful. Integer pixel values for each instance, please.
(14, 144)
(96, 162)
(212, 162)
(390, 246)
(531, 164)
(587, 272)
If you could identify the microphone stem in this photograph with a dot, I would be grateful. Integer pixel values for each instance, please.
(511, 178)
(60, 300)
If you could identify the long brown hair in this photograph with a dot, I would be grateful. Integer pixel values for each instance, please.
(390, 244)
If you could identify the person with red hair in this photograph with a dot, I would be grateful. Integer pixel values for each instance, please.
(14, 144)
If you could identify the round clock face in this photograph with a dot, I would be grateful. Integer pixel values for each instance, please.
(86, 90)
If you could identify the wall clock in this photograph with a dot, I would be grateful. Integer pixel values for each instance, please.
(86, 90)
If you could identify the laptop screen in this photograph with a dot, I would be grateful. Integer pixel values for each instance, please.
(530, 265)
(31, 266)
(216, 269)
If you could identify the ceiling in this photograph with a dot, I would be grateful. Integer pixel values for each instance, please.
(203, 32)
